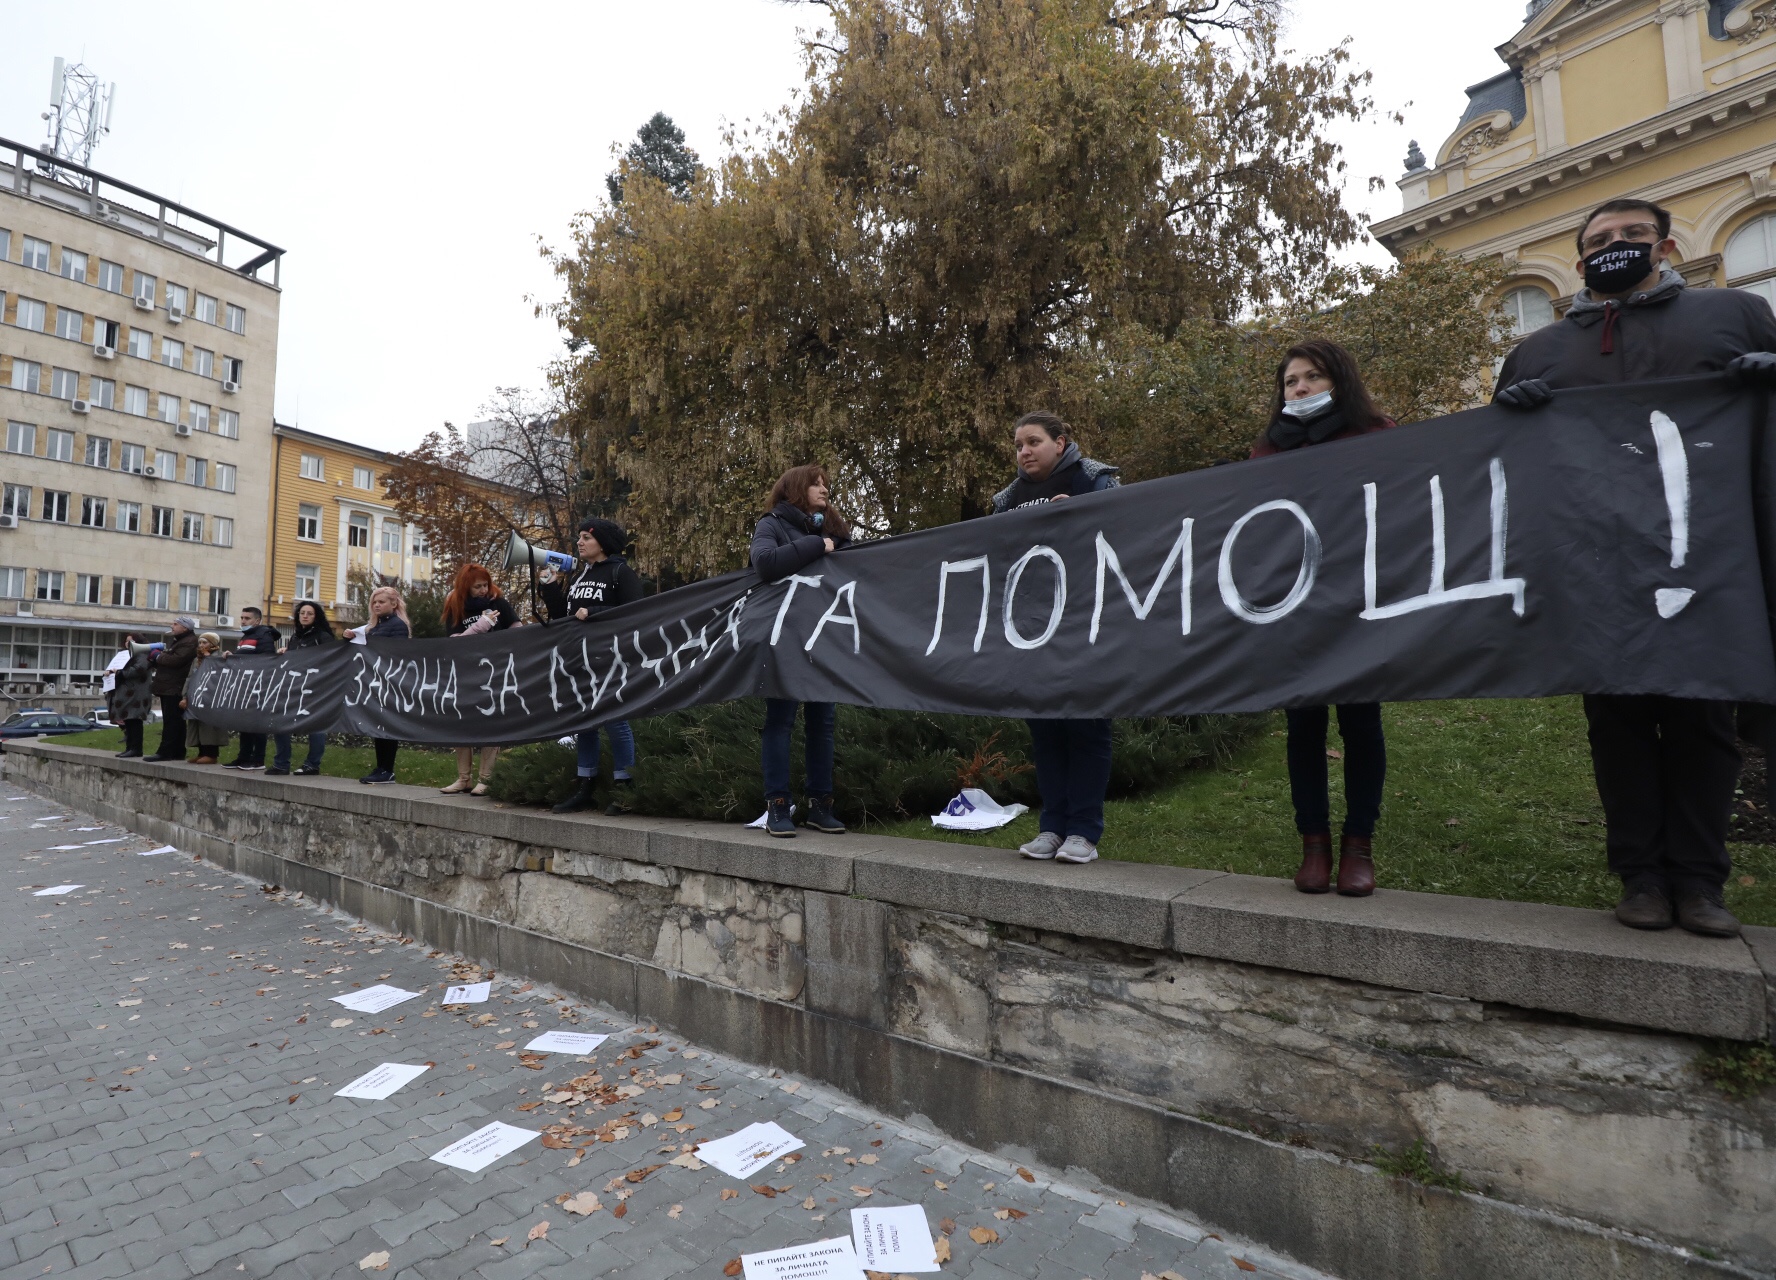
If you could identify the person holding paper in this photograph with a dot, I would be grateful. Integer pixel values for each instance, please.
(1320, 397)
(475, 607)
(128, 699)
(1072, 756)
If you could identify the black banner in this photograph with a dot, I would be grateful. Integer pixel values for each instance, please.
(1616, 541)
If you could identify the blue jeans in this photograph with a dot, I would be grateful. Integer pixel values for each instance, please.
(818, 719)
(317, 747)
(1365, 767)
(622, 740)
(1072, 773)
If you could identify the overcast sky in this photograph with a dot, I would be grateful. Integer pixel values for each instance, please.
(410, 157)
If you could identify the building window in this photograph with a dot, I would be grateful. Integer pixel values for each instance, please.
(203, 363)
(129, 517)
(135, 400)
(36, 256)
(15, 500)
(106, 333)
(358, 530)
(160, 522)
(228, 423)
(308, 522)
(61, 445)
(21, 437)
(178, 298)
(73, 264)
(130, 458)
(55, 506)
(158, 593)
(104, 392)
(141, 344)
(312, 467)
(1525, 310)
(31, 314)
(225, 477)
(200, 416)
(166, 464)
(123, 592)
(308, 582)
(232, 370)
(1750, 258)
(5, 245)
(421, 548)
(222, 531)
(86, 588)
(169, 408)
(172, 353)
(206, 308)
(27, 375)
(64, 384)
(363, 478)
(110, 276)
(70, 324)
(98, 451)
(49, 584)
(145, 285)
(237, 319)
(12, 583)
(197, 471)
(189, 597)
(218, 600)
(191, 529)
(391, 537)
(92, 512)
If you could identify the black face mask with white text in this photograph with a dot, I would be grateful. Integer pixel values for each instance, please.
(1618, 267)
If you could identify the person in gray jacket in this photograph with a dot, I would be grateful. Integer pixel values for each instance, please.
(1665, 767)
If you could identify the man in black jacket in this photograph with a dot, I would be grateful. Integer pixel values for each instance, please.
(257, 641)
(171, 665)
(603, 581)
(1665, 767)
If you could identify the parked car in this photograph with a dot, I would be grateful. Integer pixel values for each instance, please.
(100, 718)
(32, 724)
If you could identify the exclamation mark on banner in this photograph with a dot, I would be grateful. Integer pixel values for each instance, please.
(1674, 467)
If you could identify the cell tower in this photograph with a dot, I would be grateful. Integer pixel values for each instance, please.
(79, 115)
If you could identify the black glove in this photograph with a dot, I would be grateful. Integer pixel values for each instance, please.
(1755, 368)
(1531, 393)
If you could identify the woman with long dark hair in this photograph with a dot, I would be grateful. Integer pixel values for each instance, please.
(475, 607)
(312, 631)
(1320, 397)
(800, 526)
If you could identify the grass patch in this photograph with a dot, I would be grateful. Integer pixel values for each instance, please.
(1415, 1163)
(422, 767)
(1739, 1069)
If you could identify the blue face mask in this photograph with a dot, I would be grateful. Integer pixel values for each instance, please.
(1308, 406)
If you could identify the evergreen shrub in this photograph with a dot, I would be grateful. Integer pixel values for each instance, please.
(704, 763)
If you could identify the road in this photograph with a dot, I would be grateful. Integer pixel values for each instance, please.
(168, 1096)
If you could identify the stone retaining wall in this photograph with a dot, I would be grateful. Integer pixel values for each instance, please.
(1216, 1041)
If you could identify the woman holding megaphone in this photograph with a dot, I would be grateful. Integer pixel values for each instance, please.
(602, 581)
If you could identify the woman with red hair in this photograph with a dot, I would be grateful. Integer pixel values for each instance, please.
(474, 607)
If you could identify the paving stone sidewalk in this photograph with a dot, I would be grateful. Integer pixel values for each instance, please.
(167, 1097)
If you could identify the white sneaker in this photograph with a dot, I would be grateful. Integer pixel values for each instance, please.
(1076, 849)
(1043, 846)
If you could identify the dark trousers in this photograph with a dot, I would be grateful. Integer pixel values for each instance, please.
(252, 749)
(1365, 767)
(132, 735)
(172, 727)
(1666, 769)
(317, 747)
(385, 754)
(818, 721)
(1072, 773)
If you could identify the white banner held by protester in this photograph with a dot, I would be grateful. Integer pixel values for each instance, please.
(893, 1238)
(565, 1042)
(471, 993)
(822, 1260)
(482, 1147)
(380, 1082)
(740, 1155)
(374, 999)
(975, 810)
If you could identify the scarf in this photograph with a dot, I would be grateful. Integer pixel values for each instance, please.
(1287, 432)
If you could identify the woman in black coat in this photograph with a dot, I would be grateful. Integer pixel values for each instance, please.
(312, 631)
(388, 621)
(800, 527)
(129, 701)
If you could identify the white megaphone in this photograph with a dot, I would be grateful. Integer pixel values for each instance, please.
(519, 552)
(137, 649)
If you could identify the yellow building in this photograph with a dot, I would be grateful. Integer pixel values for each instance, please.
(1670, 100)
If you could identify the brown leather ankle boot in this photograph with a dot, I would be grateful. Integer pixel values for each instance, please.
(1356, 866)
(1315, 875)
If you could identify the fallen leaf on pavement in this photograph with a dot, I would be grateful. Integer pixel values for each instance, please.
(734, 1268)
(340, 1022)
(728, 1193)
(538, 1232)
(808, 1203)
(636, 1175)
(947, 1226)
(377, 1261)
(1026, 1175)
(505, 1044)
(866, 1159)
(708, 1103)
(764, 1189)
(941, 1184)
(530, 1106)
(686, 1161)
(983, 1235)
(674, 1116)
(497, 1243)
(943, 1248)
(556, 1144)
(862, 1193)
(1243, 1265)
(583, 1203)
(675, 1210)
(620, 1210)
(1003, 1214)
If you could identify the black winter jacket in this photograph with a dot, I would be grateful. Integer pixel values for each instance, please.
(473, 608)
(259, 641)
(390, 628)
(594, 588)
(308, 638)
(1074, 475)
(1667, 332)
(785, 542)
(172, 664)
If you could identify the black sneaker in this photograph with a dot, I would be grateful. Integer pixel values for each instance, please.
(582, 798)
(777, 819)
(236, 763)
(820, 816)
(377, 778)
(309, 769)
(272, 771)
(622, 797)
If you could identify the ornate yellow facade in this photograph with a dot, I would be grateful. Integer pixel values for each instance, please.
(1670, 100)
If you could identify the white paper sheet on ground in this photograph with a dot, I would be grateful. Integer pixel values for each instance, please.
(822, 1260)
(149, 853)
(473, 993)
(740, 1155)
(381, 1082)
(975, 810)
(63, 848)
(893, 1238)
(374, 999)
(111, 840)
(566, 1042)
(482, 1147)
(55, 889)
(759, 824)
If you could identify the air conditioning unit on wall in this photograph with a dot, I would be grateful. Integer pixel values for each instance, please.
(9, 521)
(224, 619)
(26, 610)
(230, 387)
(144, 304)
(175, 315)
(103, 352)
(80, 406)
(181, 428)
